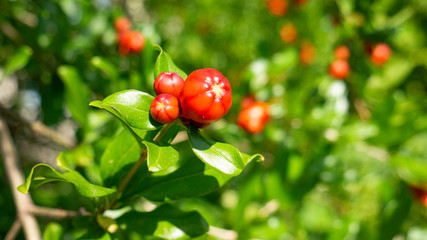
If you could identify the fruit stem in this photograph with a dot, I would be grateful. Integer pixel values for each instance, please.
(136, 166)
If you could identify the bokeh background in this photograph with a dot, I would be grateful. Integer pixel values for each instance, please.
(345, 158)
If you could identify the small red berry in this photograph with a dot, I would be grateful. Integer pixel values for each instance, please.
(169, 82)
(288, 33)
(277, 7)
(307, 53)
(339, 69)
(342, 52)
(164, 108)
(122, 24)
(131, 41)
(253, 118)
(206, 96)
(380, 54)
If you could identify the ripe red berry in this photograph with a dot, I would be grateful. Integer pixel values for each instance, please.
(169, 82)
(307, 53)
(131, 41)
(253, 118)
(288, 33)
(380, 54)
(164, 108)
(206, 96)
(342, 52)
(122, 24)
(277, 7)
(339, 69)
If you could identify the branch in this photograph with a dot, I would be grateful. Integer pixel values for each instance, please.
(222, 233)
(57, 213)
(16, 178)
(36, 127)
(136, 166)
(14, 230)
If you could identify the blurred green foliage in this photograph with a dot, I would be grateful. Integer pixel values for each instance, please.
(340, 155)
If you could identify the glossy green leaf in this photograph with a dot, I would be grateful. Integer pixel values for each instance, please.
(192, 178)
(42, 173)
(160, 157)
(119, 157)
(53, 231)
(77, 94)
(190, 224)
(221, 156)
(130, 106)
(18, 60)
(164, 63)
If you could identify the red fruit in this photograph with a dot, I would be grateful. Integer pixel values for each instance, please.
(131, 41)
(277, 7)
(164, 108)
(253, 118)
(307, 53)
(122, 24)
(206, 96)
(342, 52)
(169, 82)
(380, 54)
(339, 69)
(420, 194)
(288, 33)
(247, 101)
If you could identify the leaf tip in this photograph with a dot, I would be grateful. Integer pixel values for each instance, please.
(97, 104)
(23, 189)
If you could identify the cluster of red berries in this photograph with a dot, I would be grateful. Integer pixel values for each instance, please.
(253, 115)
(340, 67)
(204, 97)
(129, 41)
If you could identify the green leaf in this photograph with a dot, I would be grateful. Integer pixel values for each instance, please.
(53, 231)
(411, 160)
(42, 173)
(192, 178)
(82, 155)
(164, 63)
(119, 157)
(106, 67)
(18, 60)
(190, 224)
(76, 93)
(221, 156)
(160, 157)
(130, 106)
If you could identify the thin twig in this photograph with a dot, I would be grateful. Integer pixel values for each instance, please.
(136, 166)
(222, 233)
(42, 129)
(16, 178)
(14, 230)
(57, 213)
(36, 127)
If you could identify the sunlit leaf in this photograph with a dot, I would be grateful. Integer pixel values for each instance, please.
(164, 63)
(42, 173)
